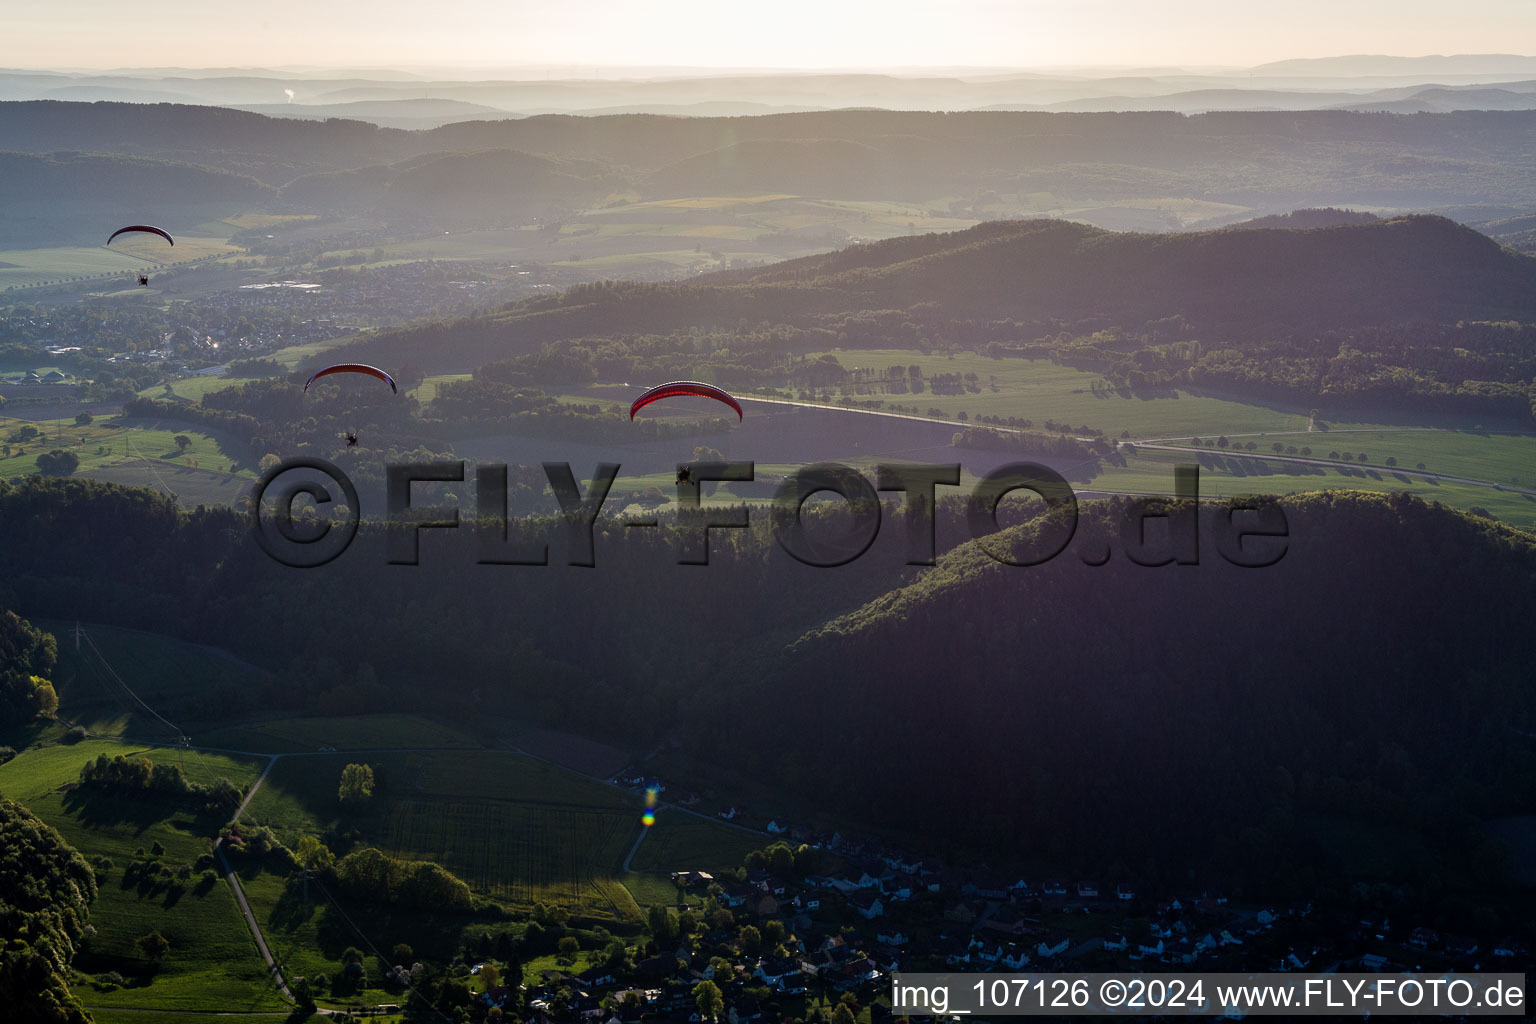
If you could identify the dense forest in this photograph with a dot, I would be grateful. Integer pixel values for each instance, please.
(48, 889)
(1254, 702)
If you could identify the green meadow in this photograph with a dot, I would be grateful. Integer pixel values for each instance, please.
(213, 962)
(26, 268)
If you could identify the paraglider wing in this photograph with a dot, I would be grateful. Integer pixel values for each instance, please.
(372, 371)
(148, 228)
(684, 387)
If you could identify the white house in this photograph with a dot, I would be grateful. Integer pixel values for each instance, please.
(869, 907)
(1047, 948)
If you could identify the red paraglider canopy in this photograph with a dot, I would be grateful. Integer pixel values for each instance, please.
(147, 228)
(372, 371)
(684, 387)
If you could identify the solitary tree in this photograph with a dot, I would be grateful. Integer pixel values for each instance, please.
(84, 419)
(153, 947)
(314, 855)
(183, 442)
(356, 784)
(706, 995)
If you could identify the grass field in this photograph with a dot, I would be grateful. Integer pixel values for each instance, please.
(1152, 473)
(212, 470)
(183, 682)
(1493, 457)
(293, 355)
(194, 388)
(1040, 390)
(361, 732)
(24, 268)
(515, 829)
(683, 842)
(427, 391)
(252, 221)
(118, 441)
(213, 962)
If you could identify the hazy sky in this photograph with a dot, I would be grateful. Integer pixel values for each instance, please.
(722, 33)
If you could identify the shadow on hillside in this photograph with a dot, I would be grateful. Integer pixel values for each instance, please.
(96, 809)
(433, 935)
(292, 910)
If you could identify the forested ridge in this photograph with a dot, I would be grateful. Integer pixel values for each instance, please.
(1417, 314)
(48, 888)
(1377, 674)
(1233, 154)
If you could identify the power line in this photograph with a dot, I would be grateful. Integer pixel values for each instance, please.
(181, 736)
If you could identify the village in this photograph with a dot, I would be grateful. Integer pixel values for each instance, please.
(780, 942)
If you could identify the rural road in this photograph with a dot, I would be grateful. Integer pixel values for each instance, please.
(234, 884)
(1156, 445)
(634, 850)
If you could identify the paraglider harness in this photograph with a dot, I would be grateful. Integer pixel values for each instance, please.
(143, 280)
(351, 439)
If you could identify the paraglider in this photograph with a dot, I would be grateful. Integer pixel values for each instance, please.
(146, 228)
(372, 371)
(351, 439)
(677, 388)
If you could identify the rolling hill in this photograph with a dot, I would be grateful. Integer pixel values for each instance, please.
(1243, 284)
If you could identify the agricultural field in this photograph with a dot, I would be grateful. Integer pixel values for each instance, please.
(1040, 390)
(517, 830)
(210, 470)
(680, 841)
(257, 221)
(1151, 472)
(26, 268)
(213, 961)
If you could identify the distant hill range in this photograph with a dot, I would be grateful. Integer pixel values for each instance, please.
(1245, 286)
(1291, 85)
(1283, 160)
(410, 114)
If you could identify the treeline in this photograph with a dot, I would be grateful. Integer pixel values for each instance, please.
(48, 888)
(1471, 368)
(27, 659)
(122, 775)
(209, 415)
